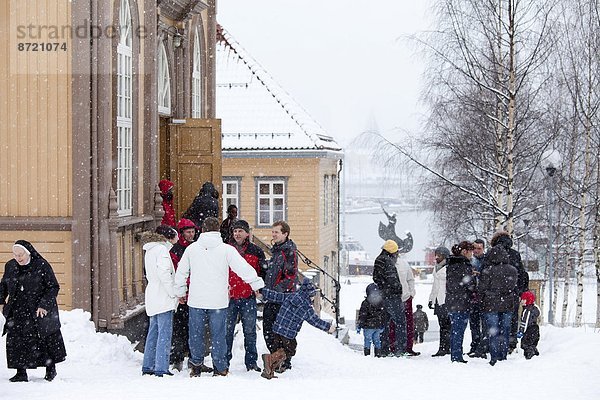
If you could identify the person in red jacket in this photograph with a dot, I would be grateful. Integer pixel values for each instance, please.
(166, 192)
(242, 301)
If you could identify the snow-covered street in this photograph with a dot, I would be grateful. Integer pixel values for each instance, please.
(104, 366)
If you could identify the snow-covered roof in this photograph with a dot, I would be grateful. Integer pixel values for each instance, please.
(256, 112)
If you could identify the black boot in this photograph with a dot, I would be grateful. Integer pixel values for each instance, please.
(21, 376)
(378, 353)
(50, 372)
(367, 351)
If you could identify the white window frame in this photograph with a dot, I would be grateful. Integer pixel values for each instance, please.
(273, 215)
(229, 198)
(334, 194)
(197, 79)
(325, 199)
(164, 81)
(124, 190)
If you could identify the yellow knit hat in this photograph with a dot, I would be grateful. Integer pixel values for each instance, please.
(390, 246)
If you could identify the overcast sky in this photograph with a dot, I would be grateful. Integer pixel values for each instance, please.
(343, 61)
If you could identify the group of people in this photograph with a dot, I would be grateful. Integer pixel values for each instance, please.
(469, 286)
(386, 316)
(211, 280)
(483, 289)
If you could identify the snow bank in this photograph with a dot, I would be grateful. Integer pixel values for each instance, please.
(105, 366)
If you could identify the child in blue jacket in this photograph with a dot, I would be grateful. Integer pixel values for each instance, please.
(295, 308)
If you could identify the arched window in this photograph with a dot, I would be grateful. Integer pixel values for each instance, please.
(164, 82)
(197, 78)
(124, 112)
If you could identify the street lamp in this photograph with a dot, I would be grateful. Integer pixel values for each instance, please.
(550, 162)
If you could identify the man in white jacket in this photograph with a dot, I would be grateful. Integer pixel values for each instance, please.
(207, 262)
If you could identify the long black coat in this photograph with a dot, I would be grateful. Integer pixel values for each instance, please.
(31, 341)
(514, 259)
(498, 282)
(385, 275)
(460, 284)
(204, 205)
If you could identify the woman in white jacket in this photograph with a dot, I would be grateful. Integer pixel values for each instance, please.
(160, 298)
(437, 300)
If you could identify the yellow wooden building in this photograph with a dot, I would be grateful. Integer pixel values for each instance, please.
(278, 163)
(99, 100)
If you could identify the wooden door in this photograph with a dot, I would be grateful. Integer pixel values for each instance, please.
(195, 158)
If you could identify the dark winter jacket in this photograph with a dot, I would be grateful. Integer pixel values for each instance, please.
(295, 309)
(205, 205)
(385, 275)
(226, 229)
(460, 284)
(39, 288)
(421, 321)
(372, 314)
(282, 269)
(529, 317)
(177, 250)
(238, 289)
(165, 187)
(503, 239)
(32, 340)
(498, 282)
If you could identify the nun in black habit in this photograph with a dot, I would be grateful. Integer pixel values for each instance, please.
(28, 291)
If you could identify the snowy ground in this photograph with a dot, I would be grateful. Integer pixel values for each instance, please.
(104, 366)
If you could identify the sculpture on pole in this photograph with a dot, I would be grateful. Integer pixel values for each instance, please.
(388, 232)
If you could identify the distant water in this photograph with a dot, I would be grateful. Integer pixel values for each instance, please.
(364, 228)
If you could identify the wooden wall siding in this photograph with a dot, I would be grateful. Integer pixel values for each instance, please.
(130, 267)
(35, 108)
(303, 201)
(54, 247)
(328, 240)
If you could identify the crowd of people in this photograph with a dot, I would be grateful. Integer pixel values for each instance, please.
(204, 276)
(470, 286)
(216, 276)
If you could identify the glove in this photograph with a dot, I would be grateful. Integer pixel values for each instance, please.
(430, 305)
(331, 328)
(520, 335)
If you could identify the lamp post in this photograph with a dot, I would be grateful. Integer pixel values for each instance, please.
(550, 170)
(551, 161)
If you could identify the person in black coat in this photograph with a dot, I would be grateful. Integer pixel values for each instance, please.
(503, 239)
(371, 319)
(385, 275)
(460, 286)
(497, 287)
(204, 205)
(32, 323)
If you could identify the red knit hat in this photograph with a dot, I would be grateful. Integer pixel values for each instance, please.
(185, 224)
(528, 298)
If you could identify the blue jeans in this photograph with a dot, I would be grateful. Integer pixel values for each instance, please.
(395, 309)
(372, 335)
(458, 325)
(158, 343)
(246, 309)
(498, 325)
(217, 323)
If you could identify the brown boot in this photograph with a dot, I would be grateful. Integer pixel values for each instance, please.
(277, 360)
(267, 371)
